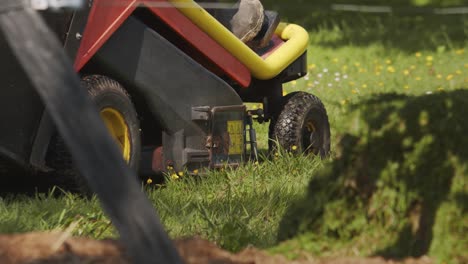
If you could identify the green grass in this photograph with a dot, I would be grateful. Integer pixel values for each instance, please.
(396, 93)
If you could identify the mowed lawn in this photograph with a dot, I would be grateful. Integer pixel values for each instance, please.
(247, 206)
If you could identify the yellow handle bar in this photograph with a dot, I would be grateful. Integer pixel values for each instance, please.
(295, 36)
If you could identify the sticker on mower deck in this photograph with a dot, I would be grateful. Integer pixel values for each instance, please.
(236, 135)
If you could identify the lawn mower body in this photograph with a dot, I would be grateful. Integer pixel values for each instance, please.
(187, 88)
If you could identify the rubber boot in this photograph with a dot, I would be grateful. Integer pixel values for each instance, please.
(248, 20)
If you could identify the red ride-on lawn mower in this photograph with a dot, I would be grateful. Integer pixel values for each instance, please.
(170, 81)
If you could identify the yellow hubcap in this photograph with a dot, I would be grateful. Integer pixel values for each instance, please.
(310, 126)
(118, 129)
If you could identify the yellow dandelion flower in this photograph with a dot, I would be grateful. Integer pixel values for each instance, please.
(391, 69)
(364, 86)
(429, 64)
(466, 66)
(458, 72)
(418, 54)
(180, 174)
(412, 67)
(195, 172)
(149, 181)
(388, 61)
(429, 58)
(354, 91)
(352, 83)
(406, 72)
(345, 67)
(406, 87)
(357, 64)
(343, 102)
(439, 76)
(174, 176)
(377, 73)
(256, 163)
(460, 52)
(169, 167)
(294, 147)
(417, 78)
(449, 77)
(312, 66)
(440, 89)
(381, 84)
(294, 83)
(335, 60)
(276, 154)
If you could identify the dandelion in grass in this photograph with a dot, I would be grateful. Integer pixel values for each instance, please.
(312, 67)
(439, 76)
(466, 66)
(294, 147)
(388, 61)
(345, 67)
(418, 54)
(354, 91)
(449, 77)
(440, 89)
(460, 52)
(352, 83)
(429, 58)
(412, 67)
(195, 172)
(364, 86)
(406, 72)
(174, 176)
(294, 83)
(357, 64)
(381, 84)
(343, 102)
(406, 87)
(391, 69)
(335, 60)
(417, 78)
(149, 181)
(458, 72)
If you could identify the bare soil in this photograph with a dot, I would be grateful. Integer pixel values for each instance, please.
(55, 247)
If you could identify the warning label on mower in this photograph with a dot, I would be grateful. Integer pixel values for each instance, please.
(236, 135)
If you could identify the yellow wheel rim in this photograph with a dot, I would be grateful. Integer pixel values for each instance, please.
(118, 129)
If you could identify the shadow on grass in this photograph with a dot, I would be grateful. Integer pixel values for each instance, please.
(405, 31)
(401, 159)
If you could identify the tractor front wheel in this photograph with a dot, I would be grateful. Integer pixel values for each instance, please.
(302, 125)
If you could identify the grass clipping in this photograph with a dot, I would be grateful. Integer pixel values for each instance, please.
(397, 187)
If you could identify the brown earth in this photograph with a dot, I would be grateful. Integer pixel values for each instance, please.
(52, 248)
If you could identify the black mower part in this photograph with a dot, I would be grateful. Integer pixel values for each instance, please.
(302, 126)
(120, 117)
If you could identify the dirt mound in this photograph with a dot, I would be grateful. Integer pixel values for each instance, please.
(50, 248)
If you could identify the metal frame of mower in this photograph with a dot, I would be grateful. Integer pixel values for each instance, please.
(187, 77)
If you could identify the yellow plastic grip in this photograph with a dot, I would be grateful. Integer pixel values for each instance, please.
(295, 36)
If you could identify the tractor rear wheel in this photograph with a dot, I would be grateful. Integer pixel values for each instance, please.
(119, 116)
(302, 125)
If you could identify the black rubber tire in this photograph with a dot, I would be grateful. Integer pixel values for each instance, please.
(289, 129)
(105, 93)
